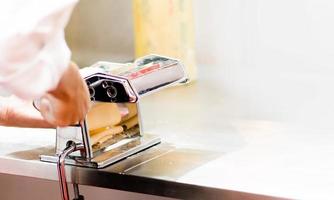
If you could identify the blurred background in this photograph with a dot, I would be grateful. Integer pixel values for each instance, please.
(270, 60)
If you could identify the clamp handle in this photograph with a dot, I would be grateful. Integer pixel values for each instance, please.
(70, 147)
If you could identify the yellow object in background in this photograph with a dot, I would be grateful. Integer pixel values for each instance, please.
(166, 27)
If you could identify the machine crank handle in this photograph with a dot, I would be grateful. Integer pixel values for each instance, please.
(70, 147)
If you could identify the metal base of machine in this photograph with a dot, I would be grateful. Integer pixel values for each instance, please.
(111, 154)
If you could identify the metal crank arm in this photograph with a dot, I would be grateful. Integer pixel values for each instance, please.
(71, 147)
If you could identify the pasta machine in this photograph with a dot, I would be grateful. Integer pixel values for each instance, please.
(113, 129)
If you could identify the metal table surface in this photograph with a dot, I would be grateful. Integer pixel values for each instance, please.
(208, 152)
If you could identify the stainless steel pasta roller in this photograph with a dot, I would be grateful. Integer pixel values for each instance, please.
(112, 129)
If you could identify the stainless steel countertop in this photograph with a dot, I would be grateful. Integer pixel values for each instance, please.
(209, 150)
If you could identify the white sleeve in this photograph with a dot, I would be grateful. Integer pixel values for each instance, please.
(33, 51)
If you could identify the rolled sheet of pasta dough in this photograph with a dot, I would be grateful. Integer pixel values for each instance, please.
(103, 115)
(130, 122)
(103, 136)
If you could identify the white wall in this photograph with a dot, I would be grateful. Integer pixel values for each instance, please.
(275, 58)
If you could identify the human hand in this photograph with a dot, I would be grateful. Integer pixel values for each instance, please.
(69, 102)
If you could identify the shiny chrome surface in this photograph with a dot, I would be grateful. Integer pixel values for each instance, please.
(170, 72)
(115, 89)
(146, 75)
(70, 133)
(119, 151)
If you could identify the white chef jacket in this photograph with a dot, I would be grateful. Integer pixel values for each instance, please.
(33, 51)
